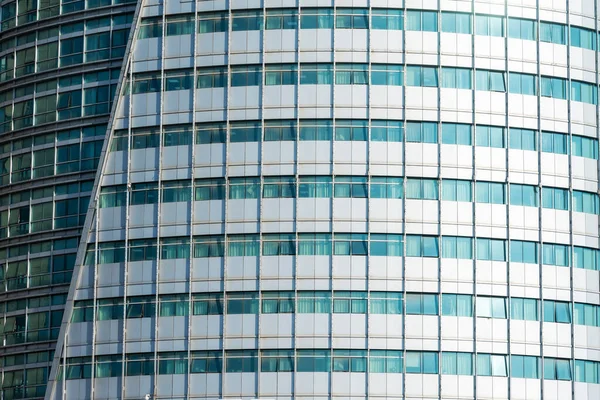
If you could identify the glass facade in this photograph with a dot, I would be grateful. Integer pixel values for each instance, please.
(60, 63)
(326, 201)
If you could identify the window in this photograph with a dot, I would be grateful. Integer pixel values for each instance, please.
(524, 367)
(213, 22)
(281, 74)
(349, 360)
(241, 361)
(71, 51)
(142, 249)
(209, 246)
(278, 244)
(384, 74)
(108, 252)
(139, 364)
(209, 189)
(315, 186)
(177, 135)
(207, 304)
(246, 75)
(525, 29)
(586, 258)
(145, 83)
(456, 134)
(489, 136)
(316, 74)
(457, 363)
(173, 305)
(47, 57)
(491, 307)
(457, 247)
(585, 147)
(421, 362)
(174, 247)
(277, 302)
(176, 191)
(422, 189)
(144, 193)
(211, 133)
(244, 132)
(242, 303)
(587, 371)
(491, 365)
(457, 78)
(109, 309)
(314, 244)
(386, 187)
(557, 369)
(279, 187)
(354, 130)
(246, 21)
(491, 249)
(523, 252)
(25, 62)
(387, 19)
(179, 25)
(314, 302)
(312, 360)
(553, 87)
(522, 84)
(586, 314)
(349, 302)
(584, 92)
(346, 244)
(352, 18)
(582, 37)
(524, 309)
(385, 361)
(585, 202)
(350, 187)
(243, 246)
(212, 78)
(553, 142)
(557, 311)
(386, 303)
(425, 21)
(421, 132)
(493, 81)
(555, 198)
(178, 80)
(490, 192)
(277, 361)
(422, 246)
(457, 305)
(386, 131)
(523, 195)
(141, 307)
(316, 18)
(488, 25)
(97, 47)
(555, 254)
(455, 22)
(113, 196)
(553, 33)
(281, 19)
(421, 76)
(455, 190)
(351, 74)
(383, 244)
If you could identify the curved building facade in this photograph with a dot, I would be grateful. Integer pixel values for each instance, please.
(344, 200)
(59, 67)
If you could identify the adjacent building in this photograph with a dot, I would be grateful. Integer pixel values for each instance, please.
(59, 67)
(349, 200)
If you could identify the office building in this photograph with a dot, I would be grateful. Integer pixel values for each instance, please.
(59, 67)
(316, 200)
